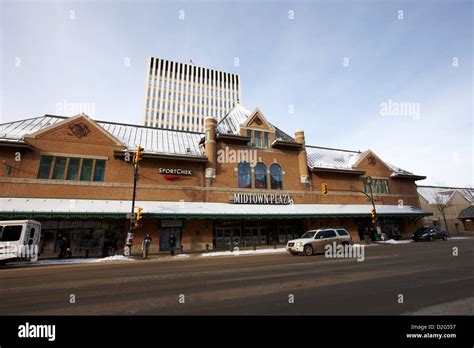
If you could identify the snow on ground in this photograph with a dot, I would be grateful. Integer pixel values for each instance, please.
(182, 255)
(115, 258)
(393, 241)
(244, 252)
(71, 261)
(455, 238)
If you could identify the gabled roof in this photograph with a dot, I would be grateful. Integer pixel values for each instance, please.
(467, 213)
(153, 140)
(230, 123)
(444, 194)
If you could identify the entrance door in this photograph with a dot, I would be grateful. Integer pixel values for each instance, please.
(164, 237)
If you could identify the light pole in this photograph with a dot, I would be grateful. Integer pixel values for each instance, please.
(136, 165)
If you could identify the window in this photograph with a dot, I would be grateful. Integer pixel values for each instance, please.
(249, 134)
(330, 234)
(10, 233)
(73, 169)
(99, 170)
(266, 140)
(86, 171)
(276, 179)
(45, 167)
(260, 176)
(59, 168)
(244, 175)
(379, 186)
(342, 232)
(258, 139)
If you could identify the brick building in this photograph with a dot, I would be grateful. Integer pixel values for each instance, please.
(243, 180)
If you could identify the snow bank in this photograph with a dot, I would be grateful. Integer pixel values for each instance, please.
(115, 258)
(455, 238)
(244, 252)
(182, 255)
(393, 241)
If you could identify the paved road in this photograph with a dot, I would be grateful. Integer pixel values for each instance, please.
(428, 276)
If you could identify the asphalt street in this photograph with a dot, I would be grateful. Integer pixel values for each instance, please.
(428, 276)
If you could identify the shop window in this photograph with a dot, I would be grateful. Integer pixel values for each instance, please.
(86, 171)
(99, 170)
(73, 169)
(45, 167)
(244, 175)
(276, 178)
(260, 176)
(59, 168)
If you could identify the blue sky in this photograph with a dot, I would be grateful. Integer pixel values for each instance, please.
(51, 56)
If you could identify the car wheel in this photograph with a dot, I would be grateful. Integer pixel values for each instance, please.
(445, 237)
(430, 239)
(308, 250)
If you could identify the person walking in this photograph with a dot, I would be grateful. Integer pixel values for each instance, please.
(172, 243)
(146, 245)
(62, 247)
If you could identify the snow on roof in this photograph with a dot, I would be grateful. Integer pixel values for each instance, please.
(160, 208)
(174, 142)
(320, 157)
(443, 195)
(153, 140)
(230, 123)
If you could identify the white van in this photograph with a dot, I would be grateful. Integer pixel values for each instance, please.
(19, 239)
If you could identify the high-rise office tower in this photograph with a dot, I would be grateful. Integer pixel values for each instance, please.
(179, 96)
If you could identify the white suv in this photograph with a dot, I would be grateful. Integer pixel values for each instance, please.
(314, 241)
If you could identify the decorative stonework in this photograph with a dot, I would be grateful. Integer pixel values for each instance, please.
(80, 129)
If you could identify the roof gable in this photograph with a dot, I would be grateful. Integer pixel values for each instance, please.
(257, 120)
(75, 128)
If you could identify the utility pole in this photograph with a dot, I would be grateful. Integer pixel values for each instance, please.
(136, 165)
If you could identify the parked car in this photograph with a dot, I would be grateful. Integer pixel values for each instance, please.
(430, 233)
(314, 241)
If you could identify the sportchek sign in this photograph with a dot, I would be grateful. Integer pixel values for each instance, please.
(174, 173)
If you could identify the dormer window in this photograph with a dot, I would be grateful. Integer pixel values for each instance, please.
(258, 139)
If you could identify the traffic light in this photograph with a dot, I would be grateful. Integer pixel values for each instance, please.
(138, 154)
(324, 189)
(139, 214)
(373, 214)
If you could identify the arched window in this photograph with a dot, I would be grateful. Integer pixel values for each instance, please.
(260, 176)
(244, 175)
(276, 179)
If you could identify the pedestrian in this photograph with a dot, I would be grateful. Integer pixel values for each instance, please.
(146, 246)
(105, 246)
(172, 243)
(68, 250)
(62, 247)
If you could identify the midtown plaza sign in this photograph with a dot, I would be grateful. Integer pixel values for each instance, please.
(260, 198)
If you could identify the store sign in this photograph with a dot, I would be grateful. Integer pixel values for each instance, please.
(174, 173)
(261, 198)
(171, 223)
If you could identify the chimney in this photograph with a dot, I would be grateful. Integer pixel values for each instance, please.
(210, 147)
(302, 159)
